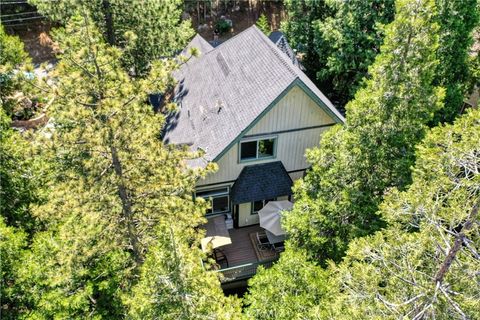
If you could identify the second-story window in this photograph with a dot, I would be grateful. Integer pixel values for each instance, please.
(258, 149)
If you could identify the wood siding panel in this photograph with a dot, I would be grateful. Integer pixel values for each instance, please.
(295, 111)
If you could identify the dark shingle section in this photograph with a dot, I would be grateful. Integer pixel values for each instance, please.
(220, 93)
(281, 42)
(261, 182)
(275, 36)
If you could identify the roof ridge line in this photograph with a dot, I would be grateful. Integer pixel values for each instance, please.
(222, 43)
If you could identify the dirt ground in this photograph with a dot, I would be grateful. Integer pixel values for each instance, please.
(37, 42)
(243, 16)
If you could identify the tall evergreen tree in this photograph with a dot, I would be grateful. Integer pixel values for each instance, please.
(12, 58)
(146, 30)
(425, 265)
(289, 290)
(348, 41)
(457, 20)
(340, 40)
(12, 245)
(298, 27)
(116, 185)
(19, 183)
(374, 151)
(174, 285)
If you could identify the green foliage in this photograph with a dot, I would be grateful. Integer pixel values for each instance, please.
(13, 54)
(374, 151)
(301, 15)
(348, 42)
(115, 188)
(12, 244)
(291, 289)
(174, 284)
(263, 25)
(19, 181)
(457, 19)
(12, 57)
(340, 39)
(223, 26)
(146, 30)
(426, 263)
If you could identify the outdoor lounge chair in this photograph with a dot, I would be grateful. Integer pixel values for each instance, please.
(262, 241)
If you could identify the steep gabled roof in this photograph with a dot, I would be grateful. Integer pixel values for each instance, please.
(224, 91)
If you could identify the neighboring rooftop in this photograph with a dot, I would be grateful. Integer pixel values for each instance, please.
(281, 42)
(220, 93)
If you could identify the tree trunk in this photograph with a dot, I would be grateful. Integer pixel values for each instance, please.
(198, 12)
(457, 245)
(126, 206)
(109, 29)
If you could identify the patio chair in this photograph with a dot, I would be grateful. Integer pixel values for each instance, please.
(262, 241)
(220, 257)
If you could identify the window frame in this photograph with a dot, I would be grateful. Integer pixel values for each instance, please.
(257, 140)
(252, 212)
(221, 192)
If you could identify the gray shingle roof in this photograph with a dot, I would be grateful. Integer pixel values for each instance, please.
(220, 93)
(199, 43)
(261, 182)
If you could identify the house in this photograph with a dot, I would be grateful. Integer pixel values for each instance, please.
(248, 105)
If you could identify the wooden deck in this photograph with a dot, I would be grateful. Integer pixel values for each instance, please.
(241, 250)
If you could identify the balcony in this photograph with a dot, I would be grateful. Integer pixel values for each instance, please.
(243, 255)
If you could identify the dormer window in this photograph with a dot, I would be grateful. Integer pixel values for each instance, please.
(258, 149)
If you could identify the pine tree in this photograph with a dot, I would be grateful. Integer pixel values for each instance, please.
(263, 25)
(146, 30)
(298, 27)
(374, 151)
(348, 41)
(12, 57)
(116, 185)
(13, 242)
(19, 177)
(340, 40)
(457, 20)
(425, 265)
(289, 290)
(174, 285)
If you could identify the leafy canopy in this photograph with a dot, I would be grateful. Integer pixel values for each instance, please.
(116, 188)
(426, 263)
(145, 30)
(354, 165)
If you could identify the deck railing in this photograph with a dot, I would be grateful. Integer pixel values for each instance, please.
(244, 271)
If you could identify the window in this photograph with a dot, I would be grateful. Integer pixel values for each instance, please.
(219, 199)
(257, 149)
(258, 205)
